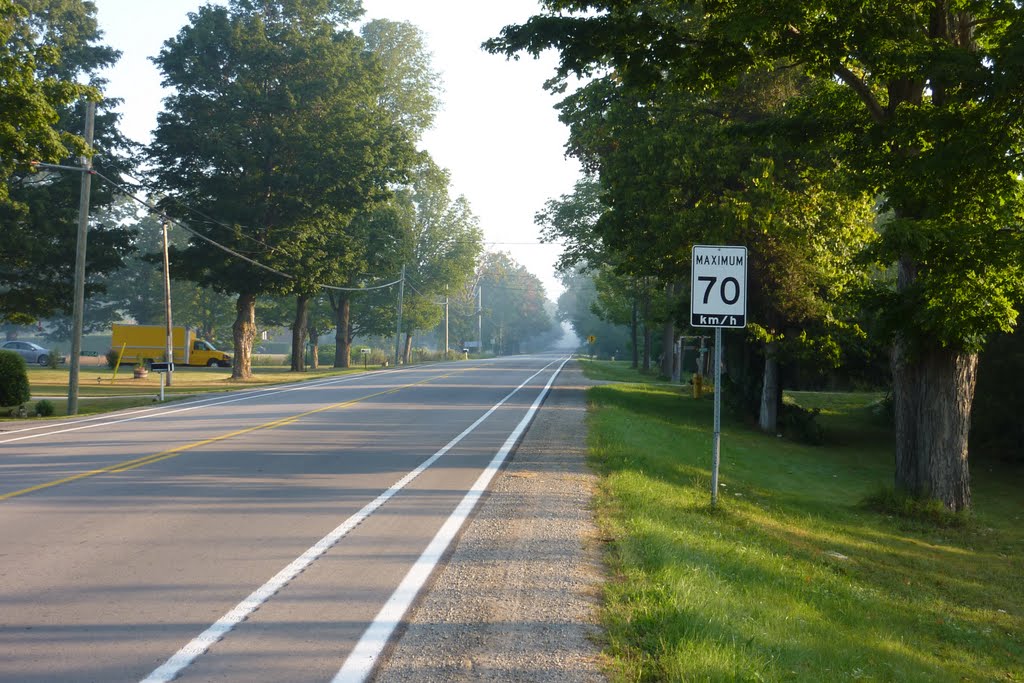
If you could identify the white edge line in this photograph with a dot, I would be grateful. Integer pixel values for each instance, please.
(360, 663)
(192, 405)
(256, 392)
(170, 669)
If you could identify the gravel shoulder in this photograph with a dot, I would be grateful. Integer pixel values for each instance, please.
(518, 597)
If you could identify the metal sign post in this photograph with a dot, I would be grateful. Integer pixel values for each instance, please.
(718, 298)
(164, 370)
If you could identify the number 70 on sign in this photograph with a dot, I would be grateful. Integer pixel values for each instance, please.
(718, 287)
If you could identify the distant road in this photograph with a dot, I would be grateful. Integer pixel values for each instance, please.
(253, 536)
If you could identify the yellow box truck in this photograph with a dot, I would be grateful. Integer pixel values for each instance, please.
(148, 343)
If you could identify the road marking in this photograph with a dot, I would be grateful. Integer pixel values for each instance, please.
(360, 662)
(146, 413)
(170, 669)
(178, 450)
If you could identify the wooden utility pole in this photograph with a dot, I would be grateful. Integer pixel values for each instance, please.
(398, 325)
(167, 310)
(78, 313)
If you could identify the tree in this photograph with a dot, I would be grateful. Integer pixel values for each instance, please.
(381, 232)
(580, 305)
(410, 88)
(30, 97)
(909, 90)
(406, 89)
(444, 242)
(586, 261)
(275, 129)
(514, 307)
(137, 292)
(51, 59)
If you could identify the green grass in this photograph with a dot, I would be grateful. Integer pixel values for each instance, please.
(617, 371)
(792, 577)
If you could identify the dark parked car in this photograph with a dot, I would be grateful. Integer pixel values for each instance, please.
(32, 353)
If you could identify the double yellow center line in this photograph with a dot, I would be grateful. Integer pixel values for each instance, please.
(178, 450)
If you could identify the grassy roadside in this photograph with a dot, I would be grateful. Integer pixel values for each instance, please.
(792, 578)
(99, 392)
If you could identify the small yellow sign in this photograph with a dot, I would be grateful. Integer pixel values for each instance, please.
(591, 339)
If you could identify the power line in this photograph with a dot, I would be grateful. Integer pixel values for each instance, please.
(192, 232)
(208, 220)
(230, 251)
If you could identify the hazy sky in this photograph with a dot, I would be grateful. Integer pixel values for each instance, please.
(497, 133)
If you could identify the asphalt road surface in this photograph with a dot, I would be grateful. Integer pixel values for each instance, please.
(277, 534)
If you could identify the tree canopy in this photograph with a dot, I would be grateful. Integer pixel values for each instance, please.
(57, 47)
(917, 103)
(276, 129)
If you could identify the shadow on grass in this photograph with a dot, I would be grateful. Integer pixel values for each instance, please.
(790, 579)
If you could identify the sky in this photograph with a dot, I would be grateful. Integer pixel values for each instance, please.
(497, 133)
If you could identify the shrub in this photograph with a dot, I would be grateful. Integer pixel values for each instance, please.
(375, 357)
(44, 408)
(801, 424)
(112, 355)
(53, 359)
(14, 387)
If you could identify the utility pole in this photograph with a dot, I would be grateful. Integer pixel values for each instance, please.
(78, 314)
(480, 318)
(446, 322)
(167, 309)
(398, 326)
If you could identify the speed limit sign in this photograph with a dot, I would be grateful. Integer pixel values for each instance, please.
(718, 287)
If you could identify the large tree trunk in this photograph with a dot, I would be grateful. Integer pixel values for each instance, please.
(244, 332)
(299, 333)
(768, 417)
(933, 392)
(933, 389)
(314, 347)
(342, 340)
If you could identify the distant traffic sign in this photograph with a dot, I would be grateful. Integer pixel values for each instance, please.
(718, 287)
(591, 339)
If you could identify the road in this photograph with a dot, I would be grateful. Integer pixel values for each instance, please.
(275, 535)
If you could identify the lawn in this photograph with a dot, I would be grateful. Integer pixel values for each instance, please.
(792, 577)
(100, 392)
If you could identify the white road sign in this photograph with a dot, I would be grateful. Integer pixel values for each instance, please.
(718, 287)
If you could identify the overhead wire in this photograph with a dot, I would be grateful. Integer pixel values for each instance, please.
(155, 209)
(192, 232)
(209, 220)
(124, 190)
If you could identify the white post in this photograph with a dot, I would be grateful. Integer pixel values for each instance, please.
(716, 441)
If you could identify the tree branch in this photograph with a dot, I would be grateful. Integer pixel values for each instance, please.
(849, 78)
(862, 90)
